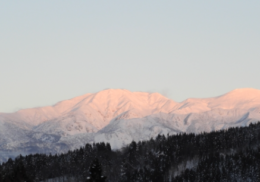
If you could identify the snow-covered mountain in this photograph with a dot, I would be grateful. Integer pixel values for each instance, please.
(120, 116)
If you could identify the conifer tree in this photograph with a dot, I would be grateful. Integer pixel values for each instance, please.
(95, 172)
(20, 173)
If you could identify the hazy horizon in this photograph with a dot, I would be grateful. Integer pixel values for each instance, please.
(56, 50)
(247, 90)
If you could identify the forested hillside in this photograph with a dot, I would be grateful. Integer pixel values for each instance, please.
(227, 155)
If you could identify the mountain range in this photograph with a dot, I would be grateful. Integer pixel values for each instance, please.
(119, 116)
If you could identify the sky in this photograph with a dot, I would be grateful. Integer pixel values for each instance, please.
(54, 50)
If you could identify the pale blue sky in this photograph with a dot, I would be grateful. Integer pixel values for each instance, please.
(54, 50)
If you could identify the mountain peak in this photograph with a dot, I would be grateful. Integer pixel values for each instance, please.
(244, 98)
(243, 93)
(112, 92)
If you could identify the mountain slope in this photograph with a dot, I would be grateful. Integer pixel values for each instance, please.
(95, 111)
(120, 116)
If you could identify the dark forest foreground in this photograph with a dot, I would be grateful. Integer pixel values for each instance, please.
(230, 155)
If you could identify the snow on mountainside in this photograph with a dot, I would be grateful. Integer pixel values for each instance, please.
(93, 112)
(120, 116)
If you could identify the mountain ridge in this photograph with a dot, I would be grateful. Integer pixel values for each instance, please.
(120, 116)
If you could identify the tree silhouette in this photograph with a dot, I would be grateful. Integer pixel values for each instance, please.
(95, 172)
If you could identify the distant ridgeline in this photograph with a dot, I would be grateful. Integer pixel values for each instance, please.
(230, 155)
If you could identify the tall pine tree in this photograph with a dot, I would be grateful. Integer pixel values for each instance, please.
(95, 172)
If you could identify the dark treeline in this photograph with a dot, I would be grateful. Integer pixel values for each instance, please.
(226, 155)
